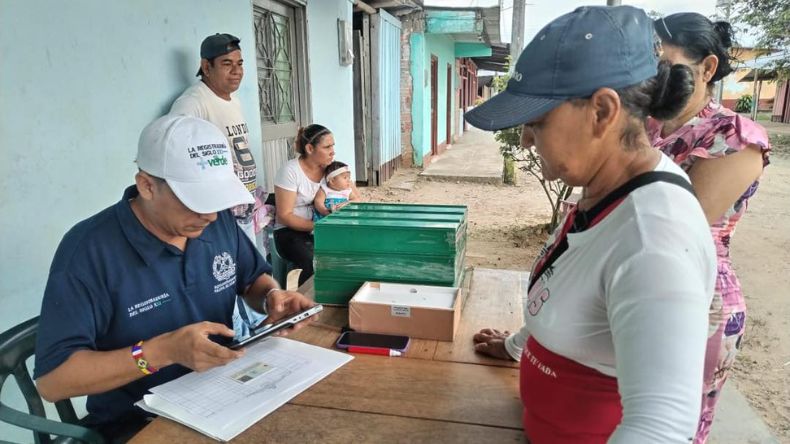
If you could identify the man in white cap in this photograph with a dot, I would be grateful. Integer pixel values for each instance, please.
(143, 292)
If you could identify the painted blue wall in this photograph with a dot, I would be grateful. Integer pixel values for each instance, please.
(444, 48)
(423, 46)
(452, 21)
(465, 49)
(418, 77)
(331, 84)
(78, 81)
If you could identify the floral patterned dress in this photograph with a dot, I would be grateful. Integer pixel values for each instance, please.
(717, 132)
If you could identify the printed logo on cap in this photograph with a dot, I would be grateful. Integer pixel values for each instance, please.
(209, 155)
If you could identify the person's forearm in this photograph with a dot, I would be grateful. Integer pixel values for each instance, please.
(295, 222)
(88, 372)
(514, 344)
(255, 295)
(321, 208)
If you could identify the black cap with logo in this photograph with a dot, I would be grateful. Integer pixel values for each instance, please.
(217, 45)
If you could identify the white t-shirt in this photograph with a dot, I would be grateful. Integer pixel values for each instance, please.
(331, 193)
(200, 101)
(291, 177)
(630, 298)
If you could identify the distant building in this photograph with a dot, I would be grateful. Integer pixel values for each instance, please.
(737, 84)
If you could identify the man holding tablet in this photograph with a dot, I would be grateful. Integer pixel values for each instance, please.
(144, 291)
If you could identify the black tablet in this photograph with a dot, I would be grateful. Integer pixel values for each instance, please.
(270, 329)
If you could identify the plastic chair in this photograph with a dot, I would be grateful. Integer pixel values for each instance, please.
(16, 346)
(280, 266)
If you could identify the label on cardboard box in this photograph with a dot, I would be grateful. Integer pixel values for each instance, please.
(401, 311)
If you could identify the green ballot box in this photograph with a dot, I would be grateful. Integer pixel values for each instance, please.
(402, 243)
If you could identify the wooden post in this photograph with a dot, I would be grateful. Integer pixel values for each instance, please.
(755, 92)
(517, 32)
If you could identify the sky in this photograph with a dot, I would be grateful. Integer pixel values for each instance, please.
(540, 12)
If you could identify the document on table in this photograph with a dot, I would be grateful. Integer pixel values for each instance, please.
(225, 401)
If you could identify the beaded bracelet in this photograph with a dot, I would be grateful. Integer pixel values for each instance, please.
(139, 359)
(266, 298)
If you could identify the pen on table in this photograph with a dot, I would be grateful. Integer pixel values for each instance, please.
(374, 351)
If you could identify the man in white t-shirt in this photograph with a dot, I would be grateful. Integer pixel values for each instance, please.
(213, 99)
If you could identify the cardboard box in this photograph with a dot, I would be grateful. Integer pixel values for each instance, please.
(416, 311)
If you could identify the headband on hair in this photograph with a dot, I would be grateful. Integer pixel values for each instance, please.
(666, 28)
(320, 132)
(336, 173)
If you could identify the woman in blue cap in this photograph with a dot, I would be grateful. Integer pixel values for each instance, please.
(616, 316)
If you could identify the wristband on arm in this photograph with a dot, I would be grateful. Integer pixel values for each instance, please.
(139, 359)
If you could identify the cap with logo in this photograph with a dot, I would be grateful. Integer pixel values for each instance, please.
(217, 45)
(192, 155)
(578, 53)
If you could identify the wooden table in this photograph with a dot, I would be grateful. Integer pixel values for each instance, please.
(438, 392)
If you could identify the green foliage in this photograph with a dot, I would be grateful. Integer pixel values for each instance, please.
(744, 104)
(509, 171)
(770, 20)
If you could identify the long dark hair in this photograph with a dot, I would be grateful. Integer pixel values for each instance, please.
(310, 134)
(699, 37)
(663, 97)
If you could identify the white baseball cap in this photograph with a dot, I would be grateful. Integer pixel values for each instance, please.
(192, 156)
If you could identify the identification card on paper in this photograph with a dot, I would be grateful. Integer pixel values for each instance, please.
(251, 372)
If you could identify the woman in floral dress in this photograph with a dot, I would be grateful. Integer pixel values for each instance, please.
(724, 155)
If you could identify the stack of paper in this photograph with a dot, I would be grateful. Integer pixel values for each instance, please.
(225, 401)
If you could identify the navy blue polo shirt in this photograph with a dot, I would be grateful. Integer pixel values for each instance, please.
(113, 283)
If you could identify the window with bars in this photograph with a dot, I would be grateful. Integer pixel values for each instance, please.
(275, 52)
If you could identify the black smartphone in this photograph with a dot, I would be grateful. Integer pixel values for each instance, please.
(356, 339)
(270, 329)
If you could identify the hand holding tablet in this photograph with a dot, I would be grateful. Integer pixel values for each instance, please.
(270, 329)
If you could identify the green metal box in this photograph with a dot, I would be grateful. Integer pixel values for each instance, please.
(405, 243)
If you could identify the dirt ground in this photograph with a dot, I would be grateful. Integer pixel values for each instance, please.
(504, 232)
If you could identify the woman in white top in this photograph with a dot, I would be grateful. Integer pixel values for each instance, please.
(295, 187)
(615, 320)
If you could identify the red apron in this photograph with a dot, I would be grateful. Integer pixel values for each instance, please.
(564, 401)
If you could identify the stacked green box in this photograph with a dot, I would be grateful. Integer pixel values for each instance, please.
(406, 243)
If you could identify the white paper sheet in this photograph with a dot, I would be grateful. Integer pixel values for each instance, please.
(225, 401)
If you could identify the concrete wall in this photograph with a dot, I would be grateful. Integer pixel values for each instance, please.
(331, 84)
(423, 46)
(444, 49)
(419, 75)
(406, 94)
(465, 49)
(79, 81)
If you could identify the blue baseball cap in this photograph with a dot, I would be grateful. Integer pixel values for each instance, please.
(578, 53)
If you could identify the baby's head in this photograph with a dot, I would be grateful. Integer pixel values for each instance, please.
(338, 177)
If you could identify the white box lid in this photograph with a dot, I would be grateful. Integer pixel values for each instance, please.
(421, 296)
